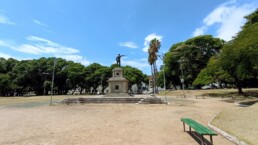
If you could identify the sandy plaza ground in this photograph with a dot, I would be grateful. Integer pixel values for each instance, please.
(108, 124)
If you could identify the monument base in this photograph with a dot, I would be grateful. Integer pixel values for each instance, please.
(118, 95)
(138, 99)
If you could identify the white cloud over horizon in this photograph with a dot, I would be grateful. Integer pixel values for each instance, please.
(5, 55)
(5, 20)
(128, 44)
(149, 38)
(141, 64)
(75, 58)
(39, 23)
(227, 17)
(41, 47)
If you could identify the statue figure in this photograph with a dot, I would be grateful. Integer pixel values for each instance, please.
(118, 59)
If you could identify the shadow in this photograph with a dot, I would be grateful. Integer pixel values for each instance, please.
(246, 93)
(198, 138)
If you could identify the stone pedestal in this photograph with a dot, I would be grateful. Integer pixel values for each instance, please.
(118, 85)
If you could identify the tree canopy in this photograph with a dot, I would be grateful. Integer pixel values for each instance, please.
(238, 61)
(186, 59)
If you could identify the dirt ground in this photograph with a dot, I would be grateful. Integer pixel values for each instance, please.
(108, 124)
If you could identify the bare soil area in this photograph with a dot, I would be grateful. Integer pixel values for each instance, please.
(108, 124)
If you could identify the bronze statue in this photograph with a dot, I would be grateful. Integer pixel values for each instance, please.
(118, 59)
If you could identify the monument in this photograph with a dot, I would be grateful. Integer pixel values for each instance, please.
(118, 91)
(118, 85)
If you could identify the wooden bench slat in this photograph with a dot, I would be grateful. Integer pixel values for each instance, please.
(198, 127)
(203, 128)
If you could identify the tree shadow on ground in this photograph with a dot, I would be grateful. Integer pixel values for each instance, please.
(247, 93)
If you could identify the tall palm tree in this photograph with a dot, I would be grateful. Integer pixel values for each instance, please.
(153, 51)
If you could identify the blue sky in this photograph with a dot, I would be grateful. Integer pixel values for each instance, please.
(89, 31)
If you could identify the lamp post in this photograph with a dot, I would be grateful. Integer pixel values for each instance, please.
(164, 77)
(182, 75)
(44, 73)
(53, 77)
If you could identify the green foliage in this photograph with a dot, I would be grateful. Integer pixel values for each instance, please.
(17, 77)
(153, 50)
(212, 73)
(134, 75)
(152, 58)
(238, 61)
(186, 59)
(239, 58)
(6, 84)
(251, 19)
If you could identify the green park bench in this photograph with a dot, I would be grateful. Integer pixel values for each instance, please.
(199, 128)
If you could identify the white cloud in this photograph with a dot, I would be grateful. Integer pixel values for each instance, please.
(227, 30)
(26, 48)
(229, 17)
(199, 31)
(40, 46)
(4, 43)
(217, 15)
(141, 64)
(137, 64)
(4, 55)
(5, 20)
(149, 38)
(39, 23)
(7, 56)
(128, 44)
(75, 58)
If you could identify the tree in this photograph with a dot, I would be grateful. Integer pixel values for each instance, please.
(212, 73)
(190, 57)
(6, 85)
(93, 76)
(153, 56)
(17, 77)
(240, 56)
(251, 19)
(134, 76)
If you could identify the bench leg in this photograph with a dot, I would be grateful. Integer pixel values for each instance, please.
(184, 126)
(190, 129)
(202, 140)
(211, 139)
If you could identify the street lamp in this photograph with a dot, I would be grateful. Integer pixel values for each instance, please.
(182, 75)
(53, 77)
(164, 77)
(44, 73)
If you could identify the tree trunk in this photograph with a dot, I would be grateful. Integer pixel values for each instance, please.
(239, 86)
(240, 92)
(155, 77)
(152, 78)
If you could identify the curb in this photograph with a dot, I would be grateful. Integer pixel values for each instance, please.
(225, 134)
